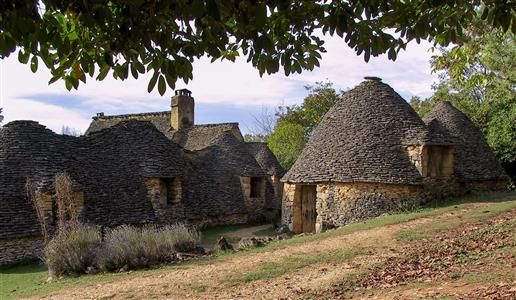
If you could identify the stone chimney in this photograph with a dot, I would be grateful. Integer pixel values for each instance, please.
(182, 115)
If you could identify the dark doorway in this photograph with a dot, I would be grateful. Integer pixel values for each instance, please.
(256, 187)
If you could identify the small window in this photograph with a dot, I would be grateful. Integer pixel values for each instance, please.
(256, 187)
(173, 188)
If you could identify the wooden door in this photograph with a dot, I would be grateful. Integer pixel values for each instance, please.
(308, 213)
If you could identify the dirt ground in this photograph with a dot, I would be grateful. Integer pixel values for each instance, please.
(219, 279)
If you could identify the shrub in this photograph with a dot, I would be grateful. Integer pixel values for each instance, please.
(72, 250)
(128, 247)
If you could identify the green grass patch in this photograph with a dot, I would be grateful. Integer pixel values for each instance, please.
(485, 212)
(292, 263)
(492, 209)
(21, 277)
(199, 288)
(266, 232)
(409, 235)
(29, 279)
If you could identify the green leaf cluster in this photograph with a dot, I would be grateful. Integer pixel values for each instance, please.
(287, 142)
(479, 78)
(296, 123)
(75, 39)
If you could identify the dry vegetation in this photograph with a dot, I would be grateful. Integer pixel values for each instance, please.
(77, 248)
(461, 251)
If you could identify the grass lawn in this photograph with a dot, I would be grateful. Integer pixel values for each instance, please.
(30, 279)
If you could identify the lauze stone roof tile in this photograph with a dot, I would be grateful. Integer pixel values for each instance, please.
(110, 163)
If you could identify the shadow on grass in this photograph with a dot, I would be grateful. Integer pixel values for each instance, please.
(471, 198)
(210, 235)
(27, 266)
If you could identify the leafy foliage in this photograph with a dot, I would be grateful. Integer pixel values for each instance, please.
(130, 37)
(479, 78)
(287, 142)
(295, 123)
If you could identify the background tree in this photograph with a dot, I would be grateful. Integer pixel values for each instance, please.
(287, 142)
(262, 127)
(1, 116)
(479, 78)
(296, 123)
(67, 130)
(75, 38)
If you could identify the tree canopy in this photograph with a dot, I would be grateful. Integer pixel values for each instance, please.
(479, 78)
(75, 38)
(296, 123)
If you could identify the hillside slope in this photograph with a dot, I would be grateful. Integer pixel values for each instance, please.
(463, 251)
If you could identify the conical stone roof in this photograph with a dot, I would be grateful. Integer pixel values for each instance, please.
(473, 158)
(361, 139)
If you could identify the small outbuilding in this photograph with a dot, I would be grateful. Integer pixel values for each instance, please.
(372, 154)
(157, 168)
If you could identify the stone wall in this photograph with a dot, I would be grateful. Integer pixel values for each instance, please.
(338, 204)
(165, 195)
(479, 186)
(441, 188)
(255, 203)
(14, 250)
(431, 160)
(287, 204)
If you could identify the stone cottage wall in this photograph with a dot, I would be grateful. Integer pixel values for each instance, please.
(479, 186)
(167, 211)
(287, 204)
(339, 204)
(255, 205)
(14, 250)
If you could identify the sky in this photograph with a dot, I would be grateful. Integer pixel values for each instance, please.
(223, 91)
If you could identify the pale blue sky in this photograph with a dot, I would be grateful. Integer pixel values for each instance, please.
(223, 91)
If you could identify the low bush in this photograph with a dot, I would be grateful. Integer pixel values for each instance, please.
(72, 250)
(128, 247)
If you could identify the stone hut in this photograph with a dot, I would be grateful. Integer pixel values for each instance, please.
(476, 168)
(134, 169)
(370, 154)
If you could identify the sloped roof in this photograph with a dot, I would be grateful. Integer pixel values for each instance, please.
(213, 178)
(193, 138)
(160, 119)
(202, 136)
(112, 164)
(106, 166)
(473, 158)
(361, 138)
(266, 159)
(28, 151)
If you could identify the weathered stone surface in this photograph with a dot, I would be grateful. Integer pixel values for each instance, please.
(19, 249)
(127, 167)
(338, 204)
(372, 154)
(361, 139)
(248, 242)
(222, 245)
(474, 160)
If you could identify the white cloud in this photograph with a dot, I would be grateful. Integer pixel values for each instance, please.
(52, 116)
(220, 82)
